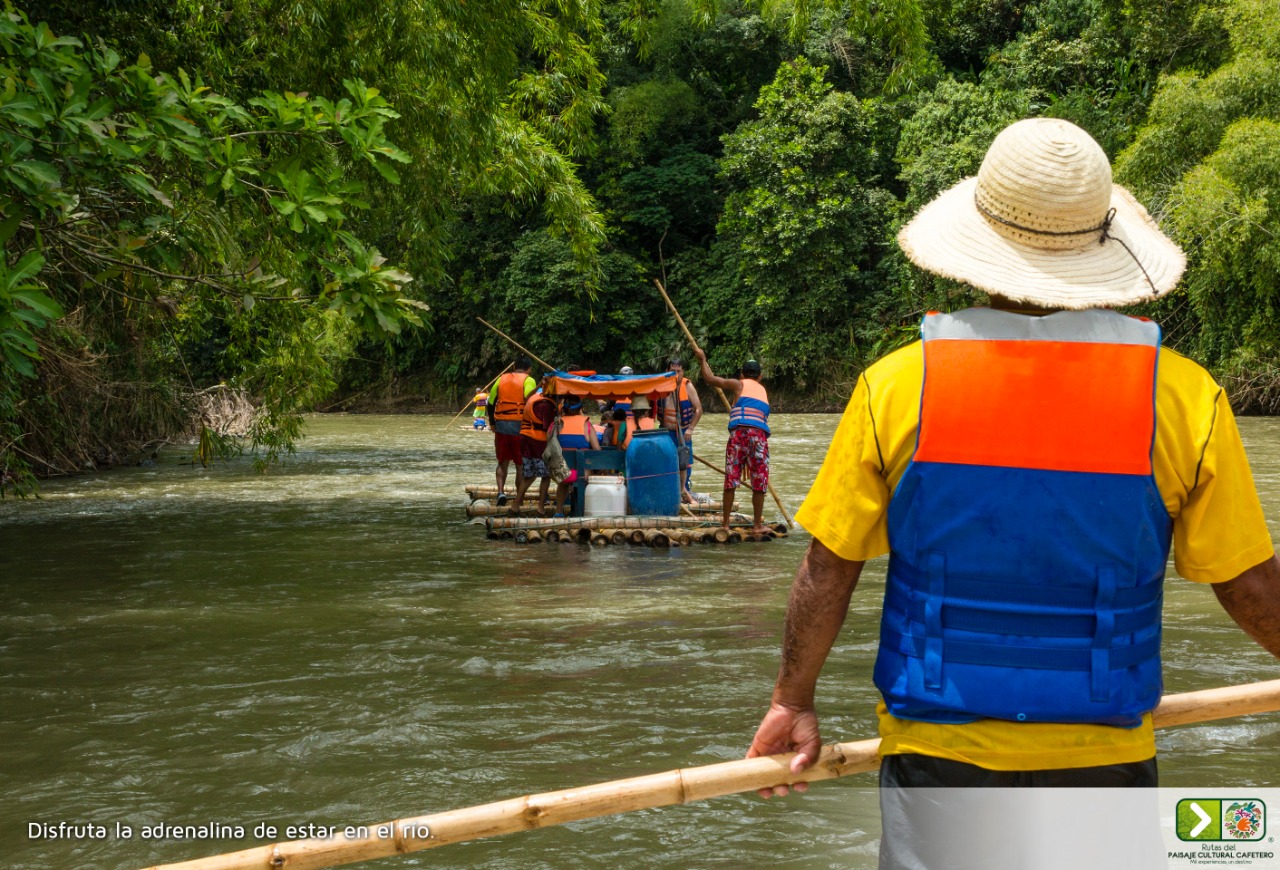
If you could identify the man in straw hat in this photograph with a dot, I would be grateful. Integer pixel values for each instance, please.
(1025, 466)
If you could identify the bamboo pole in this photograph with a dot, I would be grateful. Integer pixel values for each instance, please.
(486, 389)
(546, 365)
(646, 792)
(593, 523)
(728, 406)
(776, 500)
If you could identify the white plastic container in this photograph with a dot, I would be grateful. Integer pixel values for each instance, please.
(606, 496)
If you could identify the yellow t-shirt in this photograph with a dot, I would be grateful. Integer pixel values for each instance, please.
(1201, 472)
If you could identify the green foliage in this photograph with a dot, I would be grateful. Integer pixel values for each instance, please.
(123, 188)
(1207, 161)
(948, 133)
(806, 216)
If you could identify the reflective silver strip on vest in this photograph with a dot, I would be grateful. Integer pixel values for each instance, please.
(1094, 325)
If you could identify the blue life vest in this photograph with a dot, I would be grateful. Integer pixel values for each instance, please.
(1028, 539)
(752, 407)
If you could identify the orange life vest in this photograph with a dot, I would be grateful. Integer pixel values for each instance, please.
(573, 432)
(680, 401)
(509, 404)
(642, 424)
(530, 425)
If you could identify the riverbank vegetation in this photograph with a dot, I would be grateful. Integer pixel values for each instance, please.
(310, 203)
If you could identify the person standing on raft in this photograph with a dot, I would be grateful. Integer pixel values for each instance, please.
(506, 411)
(480, 412)
(748, 437)
(539, 414)
(1026, 467)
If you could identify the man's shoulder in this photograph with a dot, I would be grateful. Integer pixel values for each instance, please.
(904, 363)
(1182, 380)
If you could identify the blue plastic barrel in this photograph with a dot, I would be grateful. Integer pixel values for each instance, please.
(653, 478)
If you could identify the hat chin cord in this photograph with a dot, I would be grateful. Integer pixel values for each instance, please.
(1104, 229)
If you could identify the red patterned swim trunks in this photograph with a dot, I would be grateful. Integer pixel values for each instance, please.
(747, 446)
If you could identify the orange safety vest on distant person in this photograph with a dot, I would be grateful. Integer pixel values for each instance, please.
(573, 432)
(509, 401)
(642, 424)
(530, 425)
(684, 404)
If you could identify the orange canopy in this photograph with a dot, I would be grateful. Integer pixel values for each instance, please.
(613, 386)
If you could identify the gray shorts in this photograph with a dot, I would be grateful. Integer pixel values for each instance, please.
(535, 468)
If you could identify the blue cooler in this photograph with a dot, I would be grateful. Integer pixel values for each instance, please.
(653, 474)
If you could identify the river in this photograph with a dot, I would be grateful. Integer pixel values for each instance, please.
(332, 644)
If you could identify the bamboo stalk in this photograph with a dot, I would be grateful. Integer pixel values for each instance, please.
(491, 510)
(646, 792)
(636, 536)
(776, 500)
(486, 389)
(728, 406)
(534, 536)
(688, 335)
(618, 536)
(546, 365)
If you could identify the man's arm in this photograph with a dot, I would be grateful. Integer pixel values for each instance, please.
(1253, 600)
(731, 384)
(816, 609)
(697, 406)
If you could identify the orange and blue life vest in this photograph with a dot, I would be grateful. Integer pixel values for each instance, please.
(642, 424)
(530, 425)
(481, 399)
(573, 433)
(509, 402)
(751, 408)
(686, 407)
(1027, 538)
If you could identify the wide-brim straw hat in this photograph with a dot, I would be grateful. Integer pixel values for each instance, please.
(1043, 223)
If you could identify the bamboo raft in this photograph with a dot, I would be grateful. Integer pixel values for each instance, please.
(660, 532)
(483, 500)
(484, 508)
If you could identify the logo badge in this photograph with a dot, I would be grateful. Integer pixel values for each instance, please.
(1219, 819)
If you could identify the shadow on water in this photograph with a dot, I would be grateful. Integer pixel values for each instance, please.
(333, 644)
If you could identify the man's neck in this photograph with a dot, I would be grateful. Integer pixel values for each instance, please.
(1003, 303)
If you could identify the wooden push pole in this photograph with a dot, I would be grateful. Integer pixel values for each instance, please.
(645, 792)
(487, 389)
(546, 365)
(728, 406)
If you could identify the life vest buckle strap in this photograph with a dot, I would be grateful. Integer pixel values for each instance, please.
(1104, 630)
(937, 574)
(1023, 657)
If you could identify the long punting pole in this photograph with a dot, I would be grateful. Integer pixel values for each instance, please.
(645, 792)
(509, 367)
(728, 406)
(546, 365)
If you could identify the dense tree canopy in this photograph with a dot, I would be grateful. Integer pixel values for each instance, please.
(299, 200)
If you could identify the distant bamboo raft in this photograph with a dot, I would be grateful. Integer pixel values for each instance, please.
(483, 498)
(483, 508)
(659, 532)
